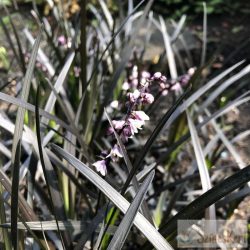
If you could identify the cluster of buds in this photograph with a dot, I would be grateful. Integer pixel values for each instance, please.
(140, 98)
(167, 85)
(134, 77)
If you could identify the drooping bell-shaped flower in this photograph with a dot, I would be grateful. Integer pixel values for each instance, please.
(118, 124)
(147, 98)
(133, 97)
(115, 153)
(101, 167)
(134, 125)
(140, 115)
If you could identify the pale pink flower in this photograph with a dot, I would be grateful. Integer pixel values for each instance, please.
(134, 96)
(163, 78)
(115, 153)
(140, 115)
(157, 75)
(118, 124)
(184, 79)
(144, 82)
(191, 71)
(110, 131)
(135, 124)
(134, 82)
(162, 85)
(138, 120)
(114, 104)
(176, 87)
(135, 72)
(147, 98)
(101, 167)
(62, 40)
(164, 88)
(125, 86)
(164, 92)
(145, 74)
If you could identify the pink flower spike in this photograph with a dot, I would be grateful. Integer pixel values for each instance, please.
(140, 115)
(115, 153)
(118, 124)
(101, 167)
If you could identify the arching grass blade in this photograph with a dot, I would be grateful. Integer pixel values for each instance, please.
(127, 222)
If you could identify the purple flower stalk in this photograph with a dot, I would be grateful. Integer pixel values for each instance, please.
(138, 96)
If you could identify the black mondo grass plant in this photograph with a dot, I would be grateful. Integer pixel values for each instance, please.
(103, 147)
